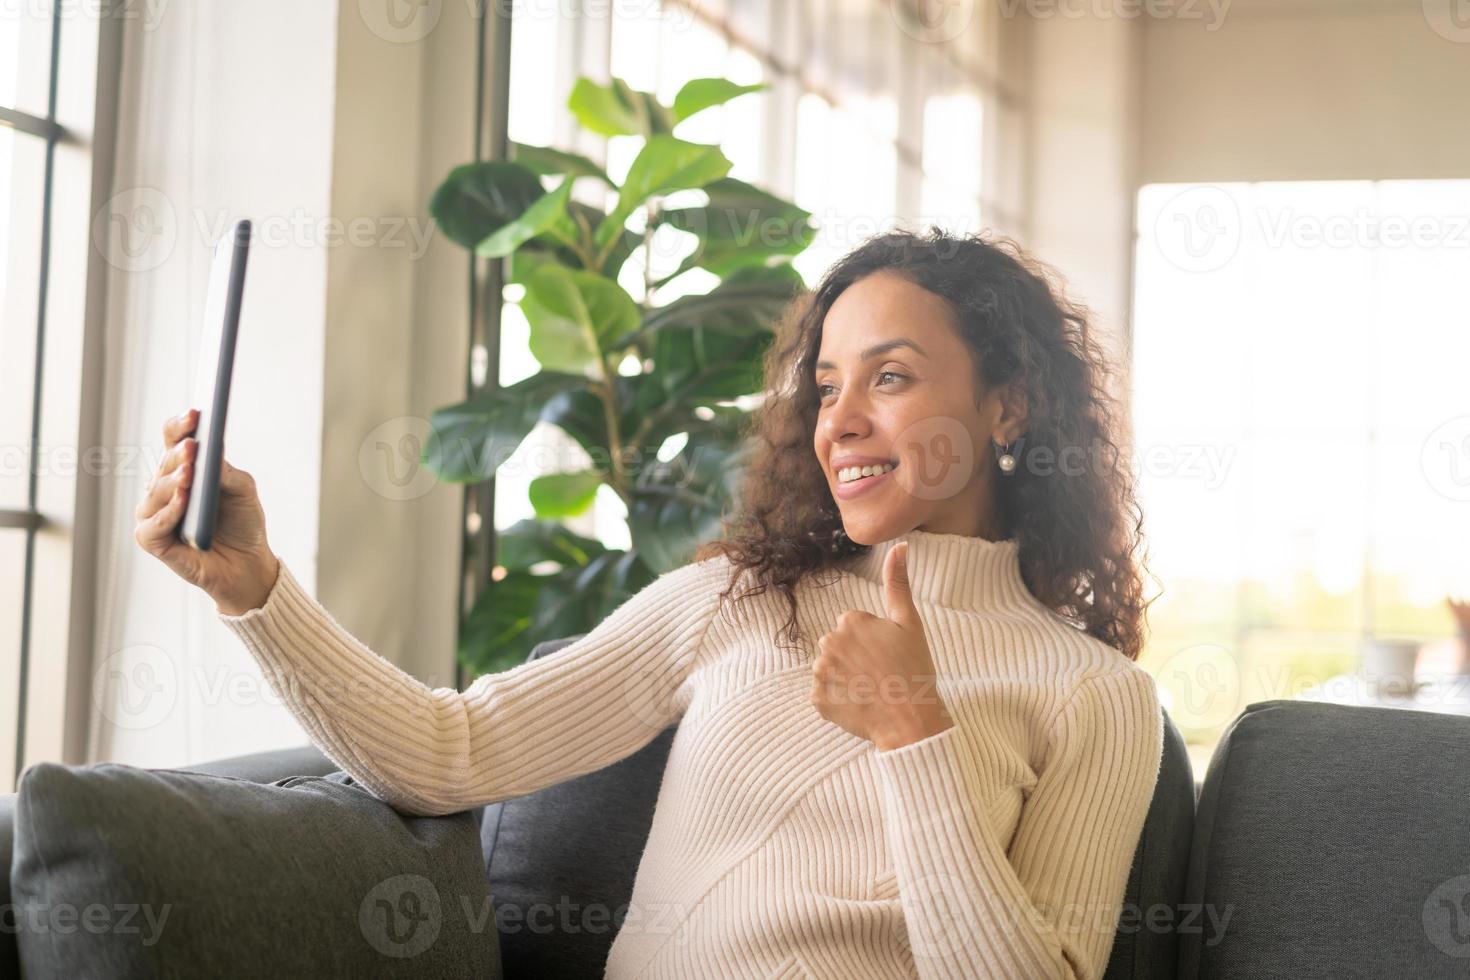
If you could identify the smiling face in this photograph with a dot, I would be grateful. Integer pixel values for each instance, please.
(897, 392)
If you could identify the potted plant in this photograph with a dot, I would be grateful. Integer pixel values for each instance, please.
(695, 356)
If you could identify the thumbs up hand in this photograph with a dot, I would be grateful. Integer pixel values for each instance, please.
(874, 675)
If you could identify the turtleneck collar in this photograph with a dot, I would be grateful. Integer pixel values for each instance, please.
(960, 571)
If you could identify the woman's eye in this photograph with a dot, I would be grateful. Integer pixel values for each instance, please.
(822, 389)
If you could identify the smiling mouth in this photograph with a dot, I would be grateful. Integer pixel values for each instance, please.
(849, 475)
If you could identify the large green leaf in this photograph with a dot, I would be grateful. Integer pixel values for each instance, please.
(564, 494)
(546, 160)
(702, 93)
(468, 441)
(540, 216)
(741, 226)
(748, 299)
(664, 165)
(592, 216)
(478, 199)
(529, 542)
(497, 634)
(522, 610)
(700, 365)
(526, 260)
(617, 109)
(681, 503)
(572, 314)
(580, 413)
(726, 424)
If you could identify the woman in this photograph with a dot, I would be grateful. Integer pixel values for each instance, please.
(950, 781)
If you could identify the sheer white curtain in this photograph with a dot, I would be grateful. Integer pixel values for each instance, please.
(225, 111)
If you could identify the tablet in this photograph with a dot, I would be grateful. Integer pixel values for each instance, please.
(212, 381)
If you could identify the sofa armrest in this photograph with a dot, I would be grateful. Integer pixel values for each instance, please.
(269, 767)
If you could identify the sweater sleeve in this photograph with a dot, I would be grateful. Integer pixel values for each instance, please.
(1050, 908)
(432, 752)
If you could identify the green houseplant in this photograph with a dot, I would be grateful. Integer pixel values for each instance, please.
(695, 355)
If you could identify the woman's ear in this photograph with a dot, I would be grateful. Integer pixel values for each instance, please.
(1013, 414)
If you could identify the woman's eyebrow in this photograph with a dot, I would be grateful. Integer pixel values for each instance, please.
(876, 349)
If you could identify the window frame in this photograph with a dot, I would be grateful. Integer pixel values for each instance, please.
(49, 717)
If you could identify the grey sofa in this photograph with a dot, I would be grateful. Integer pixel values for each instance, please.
(1327, 841)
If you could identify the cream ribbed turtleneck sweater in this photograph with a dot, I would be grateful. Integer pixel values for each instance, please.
(783, 845)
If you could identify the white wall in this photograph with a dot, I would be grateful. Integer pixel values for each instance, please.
(1307, 90)
(1082, 81)
(396, 336)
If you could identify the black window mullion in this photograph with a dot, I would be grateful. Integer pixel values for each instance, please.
(28, 576)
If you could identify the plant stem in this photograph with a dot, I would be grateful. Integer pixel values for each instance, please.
(607, 393)
(571, 243)
(649, 218)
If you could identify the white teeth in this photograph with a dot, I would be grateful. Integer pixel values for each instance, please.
(849, 473)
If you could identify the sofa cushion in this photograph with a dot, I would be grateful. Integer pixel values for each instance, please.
(1146, 946)
(271, 766)
(1330, 841)
(9, 955)
(561, 861)
(121, 871)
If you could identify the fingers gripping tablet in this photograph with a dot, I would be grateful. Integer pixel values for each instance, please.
(212, 380)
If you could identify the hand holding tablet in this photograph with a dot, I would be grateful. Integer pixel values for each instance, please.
(200, 515)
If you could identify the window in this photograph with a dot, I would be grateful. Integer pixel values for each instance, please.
(1303, 436)
(50, 284)
(28, 133)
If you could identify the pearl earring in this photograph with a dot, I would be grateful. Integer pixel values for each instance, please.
(1007, 461)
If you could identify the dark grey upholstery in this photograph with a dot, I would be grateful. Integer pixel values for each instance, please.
(1335, 838)
(129, 872)
(1147, 944)
(9, 952)
(561, 861)
(269, 767)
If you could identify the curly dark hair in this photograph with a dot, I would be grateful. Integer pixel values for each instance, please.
(1076, 532)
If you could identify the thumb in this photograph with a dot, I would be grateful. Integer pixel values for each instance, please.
(897, 597)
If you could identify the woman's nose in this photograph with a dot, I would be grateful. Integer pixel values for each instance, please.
(849, 413)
